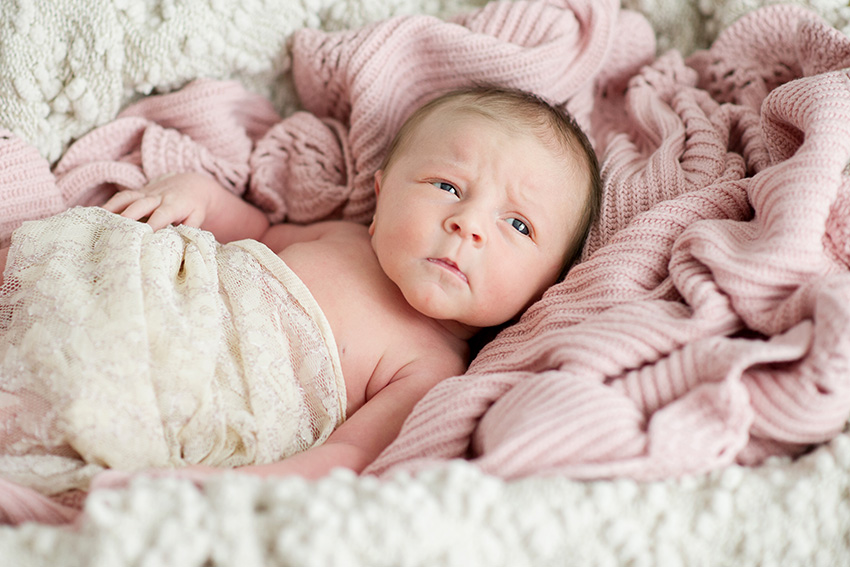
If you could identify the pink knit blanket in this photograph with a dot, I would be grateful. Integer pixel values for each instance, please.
(709, 321)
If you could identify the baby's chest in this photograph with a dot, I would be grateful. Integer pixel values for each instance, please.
(370, 320)
(373, 345)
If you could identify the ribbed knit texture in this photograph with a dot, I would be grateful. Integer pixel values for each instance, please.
(27, 187)
(373, 78)
(710, 320)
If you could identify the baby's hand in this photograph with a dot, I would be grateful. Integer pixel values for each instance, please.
(182, 198)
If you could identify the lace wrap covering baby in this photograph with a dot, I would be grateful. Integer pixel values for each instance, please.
(124, 348)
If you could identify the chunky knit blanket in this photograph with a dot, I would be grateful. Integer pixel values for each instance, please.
(706, 329)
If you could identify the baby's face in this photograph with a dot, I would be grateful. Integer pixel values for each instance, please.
(473, 222)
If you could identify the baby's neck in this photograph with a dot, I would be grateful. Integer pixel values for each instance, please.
(457, 329)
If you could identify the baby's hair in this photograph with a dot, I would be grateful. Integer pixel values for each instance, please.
(520, 111)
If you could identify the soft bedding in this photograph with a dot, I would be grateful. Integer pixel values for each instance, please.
(680, 398)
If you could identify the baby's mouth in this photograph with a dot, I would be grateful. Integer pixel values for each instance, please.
(450, 266)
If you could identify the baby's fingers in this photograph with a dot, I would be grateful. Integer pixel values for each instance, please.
(175, 211)
(120, 200)
(134, 205)
(141, 208)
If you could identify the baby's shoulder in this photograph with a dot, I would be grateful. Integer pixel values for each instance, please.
(343, 228)
(346, 238)
(281, 236)
(435, 356)
(428, 368)
(331, 241)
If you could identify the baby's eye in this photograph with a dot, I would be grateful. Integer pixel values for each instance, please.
(521, 227)
(447, 187)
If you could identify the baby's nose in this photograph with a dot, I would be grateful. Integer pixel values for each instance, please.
(467, 226)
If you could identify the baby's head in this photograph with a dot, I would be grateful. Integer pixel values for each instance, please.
(485, 199)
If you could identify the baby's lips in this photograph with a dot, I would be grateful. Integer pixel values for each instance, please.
(450, 266)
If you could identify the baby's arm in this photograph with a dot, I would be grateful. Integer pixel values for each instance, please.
(354, 444)
(359, 441)
(192, 199)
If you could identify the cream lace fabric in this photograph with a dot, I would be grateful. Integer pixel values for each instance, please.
(125, 348)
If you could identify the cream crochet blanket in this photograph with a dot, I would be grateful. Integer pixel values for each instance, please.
(786, 512)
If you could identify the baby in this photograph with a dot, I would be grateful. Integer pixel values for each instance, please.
(483, 201)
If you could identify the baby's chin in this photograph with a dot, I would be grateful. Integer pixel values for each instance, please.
(458, 326)
(469, 327)
(466, 321)
(460, 330)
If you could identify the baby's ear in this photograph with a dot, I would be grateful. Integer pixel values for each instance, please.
(379, 175)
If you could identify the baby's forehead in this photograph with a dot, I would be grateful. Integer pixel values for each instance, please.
(556, 163)
(513, 121)
(468, 123)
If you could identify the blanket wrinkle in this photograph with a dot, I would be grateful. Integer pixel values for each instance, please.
(823, 49)
(27, 187)
(311, 158)
(837, 238)
(19, 504)
(616, 286)
(781, 196)
(751, 257)
(757, 54)
(235, 110)
(798, 402)
(648, 164)
(209, 126)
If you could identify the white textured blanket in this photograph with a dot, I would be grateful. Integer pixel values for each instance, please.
(68, 68)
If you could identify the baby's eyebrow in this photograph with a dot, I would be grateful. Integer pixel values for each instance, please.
(454, 161)
(457, 170)
(518, 195)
